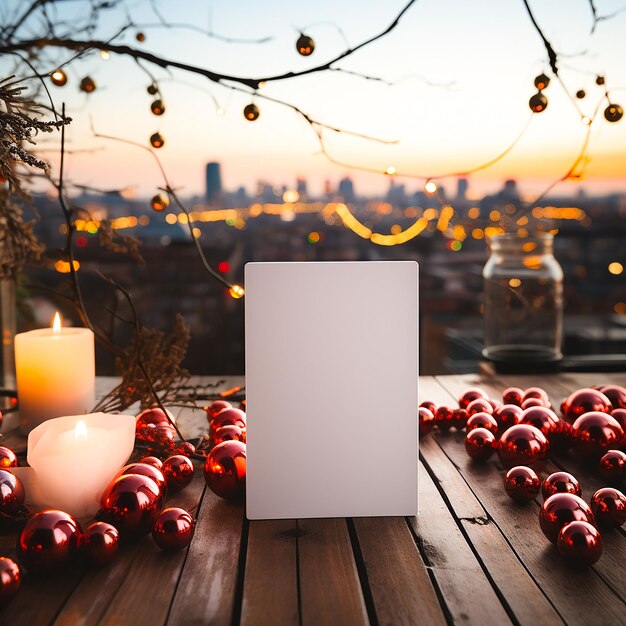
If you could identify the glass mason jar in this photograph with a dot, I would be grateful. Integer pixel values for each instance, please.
(523, 302)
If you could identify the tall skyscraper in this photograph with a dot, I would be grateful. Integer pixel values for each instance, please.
(213, 182)
(346, 189)
(301, 188)
(461, 189)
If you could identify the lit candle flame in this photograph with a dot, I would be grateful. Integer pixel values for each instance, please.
(80, 431)
(56, 324)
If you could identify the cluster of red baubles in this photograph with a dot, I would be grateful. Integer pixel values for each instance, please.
(522, 429)
(133, 504)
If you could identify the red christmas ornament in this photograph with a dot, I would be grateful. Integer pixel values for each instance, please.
(101, 542)
(225, 470)
(215, 407)
(482, 420)
(178, 471)
(228, 417)
(173, 529)
(50, 540)
(542, 418)
(584, 401)
(615, 394)
(560, 482)
(594, 434)
(538, 393)
(479, 444)
(145, 469)
(580, 543)
(459, 418)
(425, 417)
(444, 418)
(7, 457)
(512, 395)
(430, 405)
(522, 444)
(154, 415)
(236, 433)
(522, 484)
(131, 503)
(186, 448)
(560, 509)
(473, 393)
(609, 507)
(152, 460)
(11, 493)
(495, 404)
(620, 416)
(508, 415)
(480, 405)
(613, 466)
(561, 437)
(10, 580)
(530, 402)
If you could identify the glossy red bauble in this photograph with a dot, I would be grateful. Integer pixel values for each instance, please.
(444, 418)
(131, 503)
(522, 484)
(480, 405)
(10, 580)
(542, 418)
(145, 469)
(49, 541)
(173, 529)
(560, 482)
(473, 393)
(7, 458)
(620, 416)
(228, 417)
(430, 405)
(425, 417)
(186, 448)
(593, 434)
(215, 407)
(616, 395)
(530, 402)
(609, 507)
(152, 460)
(537, 393)
(236, 433)
(459, 418)
(178, 471)
(508, 415)
(561, 437)
(512, 395)
(613, 466)
(580, 543)
(560, 509)
(101, 543)
(154, 415)
(523, 444)
(482, 420)
(479, 444)
(11, 492)
(225, 470)
(584, 401)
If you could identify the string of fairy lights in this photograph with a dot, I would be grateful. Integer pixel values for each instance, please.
(305, 46)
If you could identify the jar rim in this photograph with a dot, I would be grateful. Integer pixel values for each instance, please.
(512, 237)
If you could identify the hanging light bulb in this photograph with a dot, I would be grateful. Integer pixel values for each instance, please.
(305, 45)
(87, 85)
(251, 112)
(542, 81)
(430, 186)
(156, 140)
(236, 292)
(58, 78)
(613, 113)
(538, 103)
(159, 202)
(157, 107)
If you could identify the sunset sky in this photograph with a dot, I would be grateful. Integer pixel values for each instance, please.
(487, 49)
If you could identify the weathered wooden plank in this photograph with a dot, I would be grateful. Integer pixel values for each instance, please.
(524, 597)
(270, 590)
(467, 591)
(398, 579)
(208, 582)
(571, 591)
(330, 590)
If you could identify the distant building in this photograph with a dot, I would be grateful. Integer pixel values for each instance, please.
(509, 191)
(461, 189)
(346, 189)
(301, 188)
(213, 182)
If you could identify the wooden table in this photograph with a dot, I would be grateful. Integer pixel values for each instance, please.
(472, 556)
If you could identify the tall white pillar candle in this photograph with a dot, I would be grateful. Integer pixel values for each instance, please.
(56, 373)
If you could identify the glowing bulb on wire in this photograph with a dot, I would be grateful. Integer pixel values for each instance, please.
(430, 186)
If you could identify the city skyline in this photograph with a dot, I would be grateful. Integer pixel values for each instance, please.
(455, 104)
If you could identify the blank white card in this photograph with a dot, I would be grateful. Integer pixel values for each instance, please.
(331, 389)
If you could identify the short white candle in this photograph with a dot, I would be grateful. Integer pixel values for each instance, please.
(56, 373)
(75, 457)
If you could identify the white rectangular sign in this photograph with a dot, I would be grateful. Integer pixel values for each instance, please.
(331, 389)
